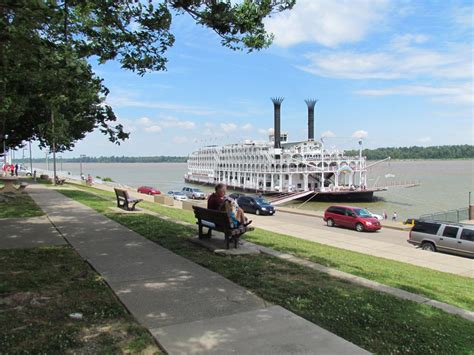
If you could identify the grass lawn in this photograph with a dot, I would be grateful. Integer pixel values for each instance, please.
(441, 286)
(19, 206)
(377, 322)
(40, 287)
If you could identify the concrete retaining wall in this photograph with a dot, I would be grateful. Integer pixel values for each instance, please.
(164, 200)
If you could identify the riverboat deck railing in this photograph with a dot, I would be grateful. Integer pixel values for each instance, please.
(455, 216)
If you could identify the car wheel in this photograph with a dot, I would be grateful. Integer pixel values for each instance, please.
(330, 222)
(428, 246)
(257, 212)
(359, 227)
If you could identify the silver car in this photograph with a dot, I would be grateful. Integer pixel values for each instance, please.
(194, 193)
(443, 236)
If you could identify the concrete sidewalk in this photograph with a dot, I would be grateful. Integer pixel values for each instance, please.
(188, 308)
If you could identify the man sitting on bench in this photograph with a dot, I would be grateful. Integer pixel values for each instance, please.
(219, 202)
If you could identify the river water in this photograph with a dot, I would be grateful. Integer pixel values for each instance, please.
(444, 184)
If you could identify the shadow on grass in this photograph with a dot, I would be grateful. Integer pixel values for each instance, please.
(41, 287)
(375, 321)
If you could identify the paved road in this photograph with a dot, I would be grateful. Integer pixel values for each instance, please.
(387, 243)
(387, 235)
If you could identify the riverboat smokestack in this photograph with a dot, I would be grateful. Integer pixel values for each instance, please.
(311, 103)
(277, 134)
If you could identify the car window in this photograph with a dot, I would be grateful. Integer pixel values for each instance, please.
(349, 212)
(426, 227)
(331, 209)
(362, 212)
(467, 234)
(450, 232)
(339, 210)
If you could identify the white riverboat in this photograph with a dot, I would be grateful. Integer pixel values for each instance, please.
(289, 169)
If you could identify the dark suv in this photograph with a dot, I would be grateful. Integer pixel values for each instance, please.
(257, 205)
(351, 217)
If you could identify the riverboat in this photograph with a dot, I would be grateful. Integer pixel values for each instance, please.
(290, 170)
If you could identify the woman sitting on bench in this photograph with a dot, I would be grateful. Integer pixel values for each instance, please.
(219, 202)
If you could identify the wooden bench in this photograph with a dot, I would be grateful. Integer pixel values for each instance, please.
(219, 221)
(124, 200)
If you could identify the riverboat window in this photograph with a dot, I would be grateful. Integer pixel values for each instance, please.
(426, 227)
(450, 232)
(467, 234)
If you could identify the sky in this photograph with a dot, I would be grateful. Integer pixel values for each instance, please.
(394, 73)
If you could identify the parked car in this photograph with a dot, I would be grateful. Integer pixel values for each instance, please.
(443, 236)
(351, 217)
(148, 190)
(178, 195)
(236, 195)
(255, 204)
(409, 222)
(379, 217)
(23, 171)
(194, 193)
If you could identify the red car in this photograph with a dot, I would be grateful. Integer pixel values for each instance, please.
(351, 217)
(148, 190)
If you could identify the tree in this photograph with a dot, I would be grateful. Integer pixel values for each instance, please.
(44, 45)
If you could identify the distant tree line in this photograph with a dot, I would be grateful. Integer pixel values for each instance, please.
(114, 159)
(465, 151)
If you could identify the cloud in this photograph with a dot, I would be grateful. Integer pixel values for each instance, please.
(360, 134)
(144, 121)
(403, 58)
(326, 22)
(228, 127)
(118, 99)
(153, 129)
(170, 121)
(463, 16)
(247, 127)
(424, 139)
(328, 134)
(461, 94)
(180, 140)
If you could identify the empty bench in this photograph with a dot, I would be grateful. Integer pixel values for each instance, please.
(125, 201)
(218, 221)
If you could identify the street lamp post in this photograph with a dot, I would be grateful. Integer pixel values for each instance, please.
(360, 164)
(82, 156)
(5, 137)
(31, 160)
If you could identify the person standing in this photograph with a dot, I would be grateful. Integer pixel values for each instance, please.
(394, 217)
(16, 169)
(12, 170)
(385, 215)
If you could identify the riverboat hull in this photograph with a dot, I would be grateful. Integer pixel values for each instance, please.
(327, 196)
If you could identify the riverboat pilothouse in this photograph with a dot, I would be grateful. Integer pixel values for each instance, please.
(291, 170)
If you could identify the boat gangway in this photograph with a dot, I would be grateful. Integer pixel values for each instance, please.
(290, 196)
